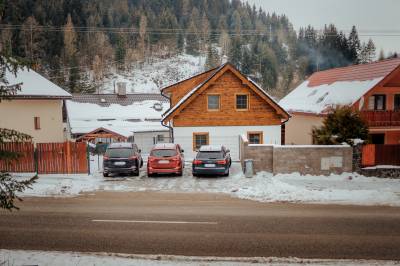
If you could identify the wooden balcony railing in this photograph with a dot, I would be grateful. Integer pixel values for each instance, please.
(381, 118)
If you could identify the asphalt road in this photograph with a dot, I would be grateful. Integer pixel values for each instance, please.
(201, 225)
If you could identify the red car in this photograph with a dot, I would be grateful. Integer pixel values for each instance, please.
(166, 158)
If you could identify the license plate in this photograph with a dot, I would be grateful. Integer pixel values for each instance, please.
(163, 162)
(209, 165)
(119, 163)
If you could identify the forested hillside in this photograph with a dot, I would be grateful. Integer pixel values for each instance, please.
(77, 44)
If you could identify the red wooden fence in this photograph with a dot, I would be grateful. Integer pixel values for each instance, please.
(374, 154)
(62, 158)
(25, 163)
(368, 155)
(52, 158)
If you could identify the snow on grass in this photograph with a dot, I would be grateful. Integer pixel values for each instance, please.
(151, 76)
(348, 188)
(54, 258)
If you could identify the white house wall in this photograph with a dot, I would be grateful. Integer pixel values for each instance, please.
(227, 136)
(145, 140)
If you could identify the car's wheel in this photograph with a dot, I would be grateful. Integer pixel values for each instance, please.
(180, 173)
(105, 175)
(136, 172)
(149, 175)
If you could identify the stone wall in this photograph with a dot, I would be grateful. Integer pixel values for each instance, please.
(313, 160)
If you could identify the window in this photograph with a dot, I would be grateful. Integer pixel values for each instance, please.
(36, 121)
(397, 102)
(200, 139)
(213, 102)
(255, 137)
(242, 102)
(380, 102)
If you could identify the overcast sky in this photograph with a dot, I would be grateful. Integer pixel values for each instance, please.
(371, 17)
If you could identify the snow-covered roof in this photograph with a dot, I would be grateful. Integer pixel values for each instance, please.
(35, 85)
(139, 116)
(339, 86)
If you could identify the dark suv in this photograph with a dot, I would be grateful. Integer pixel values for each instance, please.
(122, 158)
(212, 160)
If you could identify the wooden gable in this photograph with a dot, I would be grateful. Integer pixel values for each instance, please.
(389, 86)
(178, 90)
(227, 82)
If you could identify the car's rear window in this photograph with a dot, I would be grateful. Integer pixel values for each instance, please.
(210, 155)
(163, 153)
(119, 153)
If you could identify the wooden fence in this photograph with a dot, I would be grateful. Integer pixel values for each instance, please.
(374, 154)
(51, 158)
(26, 161)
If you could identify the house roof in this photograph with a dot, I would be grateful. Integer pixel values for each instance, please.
(34, 85)
(339, 86)
(206, 75)
(86, 113)
(214, 73)
(106, 100)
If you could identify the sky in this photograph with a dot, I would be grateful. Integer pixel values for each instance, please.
(371, 17)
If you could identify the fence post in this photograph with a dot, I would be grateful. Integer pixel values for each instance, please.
(36, 159)
(88, 158)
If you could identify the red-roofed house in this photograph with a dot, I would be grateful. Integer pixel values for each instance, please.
(373, 89)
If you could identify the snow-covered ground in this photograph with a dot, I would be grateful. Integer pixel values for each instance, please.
(150, 77)
(42, 258)
(346, 188)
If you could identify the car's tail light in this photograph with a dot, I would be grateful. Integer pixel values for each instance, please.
(105, 158)
(197, 162)
(132, 158)
(223, 162)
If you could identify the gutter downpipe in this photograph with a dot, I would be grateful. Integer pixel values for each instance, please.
(171, 130)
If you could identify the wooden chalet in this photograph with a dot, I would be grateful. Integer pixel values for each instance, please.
(218, 106)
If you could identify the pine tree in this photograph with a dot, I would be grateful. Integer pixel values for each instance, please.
(342, 124)
(354, 46)
(212, 59)
(9, 186)
(70, 40)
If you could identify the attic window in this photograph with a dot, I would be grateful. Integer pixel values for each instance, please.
(320, 99)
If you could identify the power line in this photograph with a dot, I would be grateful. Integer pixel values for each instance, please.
(174, 31)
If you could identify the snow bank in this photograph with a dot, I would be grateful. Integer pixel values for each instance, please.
(348, 188)
(54, 258)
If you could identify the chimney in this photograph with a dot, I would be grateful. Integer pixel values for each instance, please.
(121, 89)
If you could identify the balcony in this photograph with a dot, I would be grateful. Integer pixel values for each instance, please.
(381, 118)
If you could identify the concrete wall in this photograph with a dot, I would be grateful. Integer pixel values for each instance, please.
(227, 136)
(299, 127)
(19, 115)
(313, 160)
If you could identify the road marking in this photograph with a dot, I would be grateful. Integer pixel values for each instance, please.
(152, 222)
